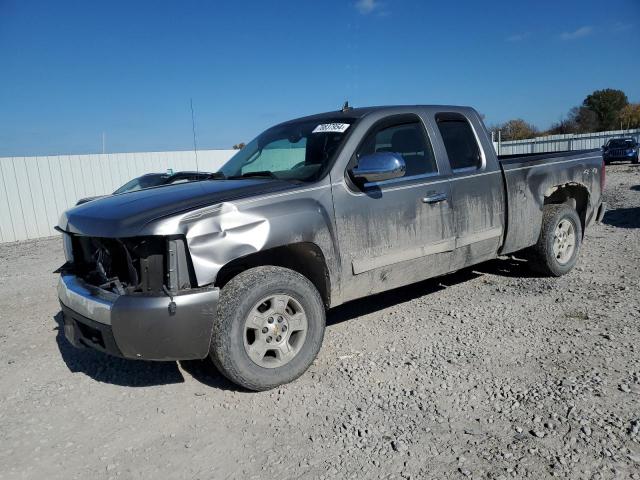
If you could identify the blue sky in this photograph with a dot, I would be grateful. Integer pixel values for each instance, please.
(71, 70)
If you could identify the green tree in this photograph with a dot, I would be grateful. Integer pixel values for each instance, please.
(584, 120)
(606, 104)
(630, 116)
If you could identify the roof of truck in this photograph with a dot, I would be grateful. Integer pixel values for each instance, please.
(360, 112)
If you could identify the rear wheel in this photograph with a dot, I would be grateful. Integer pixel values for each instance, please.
(556, 252)
(269, 327)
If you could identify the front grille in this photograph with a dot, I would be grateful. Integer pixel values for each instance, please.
(617, 152)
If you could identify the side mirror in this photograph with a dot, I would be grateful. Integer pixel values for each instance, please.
(379, 166)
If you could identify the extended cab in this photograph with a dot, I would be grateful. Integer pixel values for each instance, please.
(313, 213)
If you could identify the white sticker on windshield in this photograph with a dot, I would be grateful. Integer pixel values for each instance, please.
(331, 127)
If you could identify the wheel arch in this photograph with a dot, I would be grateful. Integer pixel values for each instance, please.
(306, 258)
(574, 194)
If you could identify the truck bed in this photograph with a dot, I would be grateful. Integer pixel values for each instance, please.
(526, 187)
(527, 157)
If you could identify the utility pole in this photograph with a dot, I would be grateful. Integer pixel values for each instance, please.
(193, 126)
(104, 142)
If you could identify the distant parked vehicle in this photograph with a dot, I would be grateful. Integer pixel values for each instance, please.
(149, 180)
(620, 149)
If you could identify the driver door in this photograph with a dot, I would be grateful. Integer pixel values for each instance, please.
(394, 232)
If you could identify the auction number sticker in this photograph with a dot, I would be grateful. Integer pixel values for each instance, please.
(331, 128)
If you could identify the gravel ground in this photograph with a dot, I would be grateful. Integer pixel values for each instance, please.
(492, 372)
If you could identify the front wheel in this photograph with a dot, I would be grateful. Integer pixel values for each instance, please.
(269, 327)
(636, 159)
(556, 252)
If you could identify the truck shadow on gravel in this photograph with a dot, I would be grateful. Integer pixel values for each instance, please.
(133, 373)
(389, 298)
(623, 217)
(508, 267)
(139, 373)
(505, 267)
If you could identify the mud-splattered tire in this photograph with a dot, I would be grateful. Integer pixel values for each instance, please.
(558, 247)
(269, 327)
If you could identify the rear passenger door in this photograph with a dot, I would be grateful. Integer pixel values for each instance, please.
(477, 190)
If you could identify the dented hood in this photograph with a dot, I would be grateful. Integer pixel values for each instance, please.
(124, 215)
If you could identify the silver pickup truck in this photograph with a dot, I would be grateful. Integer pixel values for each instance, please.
(313, 213)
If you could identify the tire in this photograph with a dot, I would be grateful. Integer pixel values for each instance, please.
(543, 257)
(277, 301)
(636, 159)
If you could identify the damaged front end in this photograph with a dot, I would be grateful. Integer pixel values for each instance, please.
(150, 265)
(135, 297)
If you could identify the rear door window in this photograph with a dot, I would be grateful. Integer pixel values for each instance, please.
(459, 141)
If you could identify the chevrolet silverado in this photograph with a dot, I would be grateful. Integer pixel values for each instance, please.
(313, 213)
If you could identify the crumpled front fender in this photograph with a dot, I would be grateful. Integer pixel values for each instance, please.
(218, 234)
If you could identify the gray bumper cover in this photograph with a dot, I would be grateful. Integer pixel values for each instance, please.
(142, 326)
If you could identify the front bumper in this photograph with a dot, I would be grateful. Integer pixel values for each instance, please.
(138, 326)
(624, 156)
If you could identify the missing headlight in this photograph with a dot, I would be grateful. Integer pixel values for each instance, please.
(149, 265)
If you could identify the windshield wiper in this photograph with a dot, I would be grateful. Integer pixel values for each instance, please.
(217, 176)
(262, 173)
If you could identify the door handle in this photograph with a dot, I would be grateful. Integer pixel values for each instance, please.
(434, 198)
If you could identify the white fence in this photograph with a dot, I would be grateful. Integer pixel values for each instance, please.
(34, 191)
(558, 143)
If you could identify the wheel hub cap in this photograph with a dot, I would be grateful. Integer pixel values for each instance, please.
(275, 331)
(564, 241)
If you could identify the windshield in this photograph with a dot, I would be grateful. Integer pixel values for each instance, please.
(295, 151)
(620, 143)
(146, 181)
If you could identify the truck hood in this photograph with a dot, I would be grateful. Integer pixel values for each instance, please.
(124, 215)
